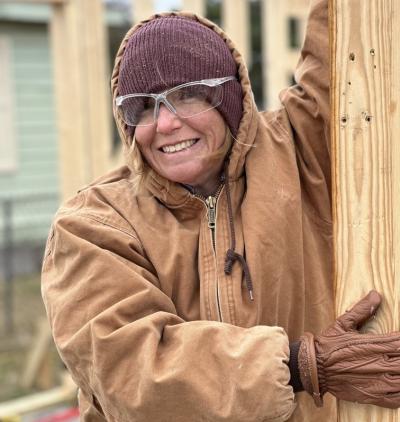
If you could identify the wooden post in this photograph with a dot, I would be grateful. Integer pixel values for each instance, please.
(366, 165)
(279, 58)
(13, 410)
(78, 37)
(142, 9)
(195, 6)
(235, 22)
(274, 37)
(39, 358)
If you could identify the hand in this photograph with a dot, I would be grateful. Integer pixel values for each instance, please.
(363, 368)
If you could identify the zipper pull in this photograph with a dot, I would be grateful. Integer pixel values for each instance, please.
(211, 211)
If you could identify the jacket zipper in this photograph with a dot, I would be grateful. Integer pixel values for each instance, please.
(211, 205)
(211, 202)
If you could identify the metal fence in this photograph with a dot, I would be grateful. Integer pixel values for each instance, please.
(24, 223)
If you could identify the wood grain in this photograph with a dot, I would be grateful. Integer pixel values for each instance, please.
(78, 37)
(366, 165)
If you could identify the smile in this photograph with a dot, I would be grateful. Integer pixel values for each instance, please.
(169, 149)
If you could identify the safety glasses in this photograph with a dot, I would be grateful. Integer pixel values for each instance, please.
(186, 100)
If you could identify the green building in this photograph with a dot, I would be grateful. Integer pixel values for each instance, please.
(29, 156)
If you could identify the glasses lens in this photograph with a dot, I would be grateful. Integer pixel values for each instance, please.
(137, 111)
(195, 99)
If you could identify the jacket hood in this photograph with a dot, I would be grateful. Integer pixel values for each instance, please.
(169, 192)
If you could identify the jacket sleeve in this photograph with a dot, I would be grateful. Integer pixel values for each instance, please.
(129, 351)
(308, 109)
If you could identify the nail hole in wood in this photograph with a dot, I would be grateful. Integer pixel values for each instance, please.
(352, 57)
(367, 117)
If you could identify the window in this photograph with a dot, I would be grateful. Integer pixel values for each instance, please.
(213, 11)
(8, 160)
(291, 80)
(294, 29)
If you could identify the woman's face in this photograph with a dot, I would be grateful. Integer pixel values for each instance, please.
(179, 149)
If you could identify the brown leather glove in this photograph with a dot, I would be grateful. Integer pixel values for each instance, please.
(363, 368)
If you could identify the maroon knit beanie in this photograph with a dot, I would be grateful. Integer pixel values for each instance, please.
(172, 50)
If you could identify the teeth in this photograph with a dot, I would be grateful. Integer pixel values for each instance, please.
(178, 147)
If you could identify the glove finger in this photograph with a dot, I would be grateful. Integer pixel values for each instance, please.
(391, 361)
(378, 353)
(360, 312)
(389, 401)
(384, 392)
(392, 401)
(386, 384)
(392, 356)
(393, 382)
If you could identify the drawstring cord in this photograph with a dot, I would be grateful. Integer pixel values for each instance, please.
(231, 254)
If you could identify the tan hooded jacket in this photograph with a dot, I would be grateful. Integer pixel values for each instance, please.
(144, 316)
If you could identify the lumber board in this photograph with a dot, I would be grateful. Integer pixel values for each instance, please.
(365, 93)
(64, 393)
(142, 9)
(38, 354)
(195, 6)
(79, 41)
(235, 23)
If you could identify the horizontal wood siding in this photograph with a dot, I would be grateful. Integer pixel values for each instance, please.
(33, 187)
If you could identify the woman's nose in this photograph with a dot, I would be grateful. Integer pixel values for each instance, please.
(167, 121)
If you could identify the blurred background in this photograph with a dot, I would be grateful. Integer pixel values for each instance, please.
(57, 134)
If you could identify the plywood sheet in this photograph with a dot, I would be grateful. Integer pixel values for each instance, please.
(366, 164)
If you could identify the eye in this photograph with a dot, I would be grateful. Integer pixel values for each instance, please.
(135, 109)
(186, 94)
(147, 104)
(190, 94)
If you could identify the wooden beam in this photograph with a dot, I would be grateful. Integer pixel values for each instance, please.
(236, 23)
(142, 9)
(279, 58)
(79, 45)
(195, 6)
(366, 165)
(12, 409)
(274, 37)
(38, 353)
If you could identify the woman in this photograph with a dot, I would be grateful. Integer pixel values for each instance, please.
(175, 286)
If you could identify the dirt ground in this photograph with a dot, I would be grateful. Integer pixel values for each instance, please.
(16, 347)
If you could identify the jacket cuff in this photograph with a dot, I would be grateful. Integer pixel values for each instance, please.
(295, 380)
